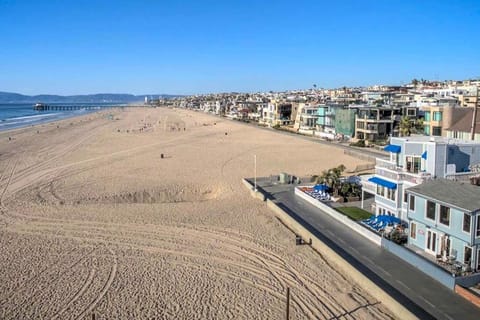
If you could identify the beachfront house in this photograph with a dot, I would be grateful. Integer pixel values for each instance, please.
(306, 118)
(276, 113)
(335, 121)
(415, 160)
(376, 123)
(462, 128)
(444, 222)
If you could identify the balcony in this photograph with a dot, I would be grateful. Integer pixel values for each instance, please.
(386, 164)
(368, 186)
(390, 170)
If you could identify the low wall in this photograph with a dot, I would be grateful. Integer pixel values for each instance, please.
(375, 238)
(258, 195)
(359, 155)
(427, 267)
(468, 281)
(398, 310)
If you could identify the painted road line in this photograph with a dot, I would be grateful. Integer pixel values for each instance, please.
(403, 284)
(354, 250)
(428, 302)
(385, 271)
(368, 260)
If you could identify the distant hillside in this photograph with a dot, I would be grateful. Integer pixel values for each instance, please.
(9, 97)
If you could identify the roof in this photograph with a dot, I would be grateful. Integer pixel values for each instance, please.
(464, 124)
(462, 195)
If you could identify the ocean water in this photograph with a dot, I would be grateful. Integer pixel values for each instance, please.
(22, 115)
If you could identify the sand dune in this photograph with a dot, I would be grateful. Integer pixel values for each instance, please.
(93, 219)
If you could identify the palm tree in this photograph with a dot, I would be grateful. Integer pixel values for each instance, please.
(405, 126)
(331, 177)
(418, 126)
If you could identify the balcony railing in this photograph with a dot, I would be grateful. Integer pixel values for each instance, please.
(368, 186)
(420, 177)
(386, 164)
(390, 170)
(462, 176)
(387, 174)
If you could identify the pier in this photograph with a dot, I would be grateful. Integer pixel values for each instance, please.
(47, 107)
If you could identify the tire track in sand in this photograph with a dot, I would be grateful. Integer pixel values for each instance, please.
(77, 295)
(106, 287)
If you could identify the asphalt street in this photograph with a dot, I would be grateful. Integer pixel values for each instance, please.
(421, 294)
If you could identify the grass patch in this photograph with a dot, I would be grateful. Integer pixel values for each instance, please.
(354, 213)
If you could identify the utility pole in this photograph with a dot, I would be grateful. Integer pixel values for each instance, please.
(474, 118)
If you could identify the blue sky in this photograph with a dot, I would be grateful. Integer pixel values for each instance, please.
(185, 47)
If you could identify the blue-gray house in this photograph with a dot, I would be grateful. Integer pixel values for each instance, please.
(413, 161)
(444, 221)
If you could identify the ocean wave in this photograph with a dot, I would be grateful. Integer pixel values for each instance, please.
(36, 116)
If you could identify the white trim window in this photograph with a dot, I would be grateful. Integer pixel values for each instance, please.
(478, 259)
(467, 255)
(413, 230)
(477, 230)
(430, 210)
(467, 222)
(444, 216)
(431, 242)
(412, 202)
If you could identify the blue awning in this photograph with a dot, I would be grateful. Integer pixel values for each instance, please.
(393, 148)
(385, 183)
(424, 155)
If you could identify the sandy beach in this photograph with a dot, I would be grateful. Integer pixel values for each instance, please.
(94, 219)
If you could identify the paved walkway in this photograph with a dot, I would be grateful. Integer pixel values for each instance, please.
(424, 296)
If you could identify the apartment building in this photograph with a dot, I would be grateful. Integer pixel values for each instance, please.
(376, 123)
(277, 113)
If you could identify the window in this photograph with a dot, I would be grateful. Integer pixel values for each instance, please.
(380, 190)
(427, 115)
(412, 202)
(436, 131)
(437, 116)
(413, 164)
(467, 255)
(445, 215)
(405, 197)
(426, 130)
(431, 241)
(466, 222)
(391, 194)
(413, 230)
(478, 259)
(477, 232)
(431, 210)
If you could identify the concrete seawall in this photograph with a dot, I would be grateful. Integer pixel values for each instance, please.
(398, 310)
